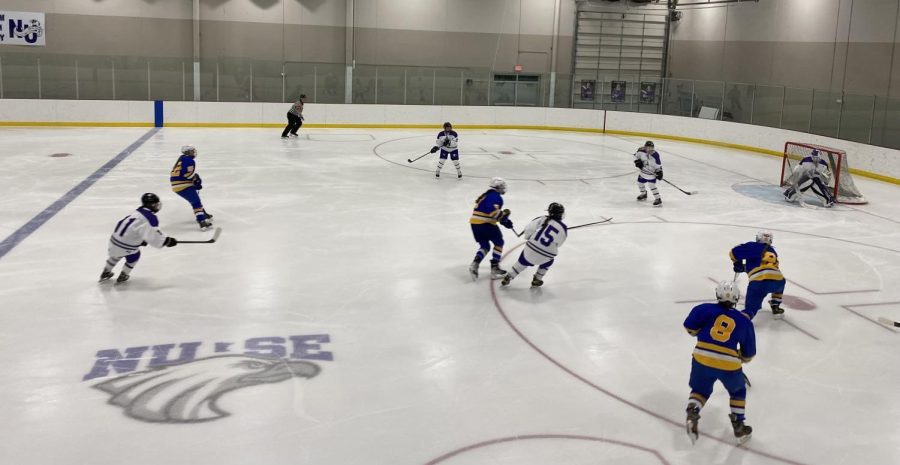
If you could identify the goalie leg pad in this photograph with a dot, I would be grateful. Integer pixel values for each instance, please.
(821, 189)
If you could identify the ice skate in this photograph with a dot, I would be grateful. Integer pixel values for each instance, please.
(458, 175)
(473, 270)
(536, 282)
(437, 174)
(657, 202)
(690, 423)
(122, 278)
(205, 225)
(777, 311)
(742, 432)
(208, 216)
(506, 280)
(496, 271)
(643, 196)
(105, 276)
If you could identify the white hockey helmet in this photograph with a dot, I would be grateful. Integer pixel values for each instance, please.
(764, 237)
(499, 185)
(189, 150)
(726, 291)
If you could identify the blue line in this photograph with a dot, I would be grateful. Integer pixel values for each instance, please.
(31, 226)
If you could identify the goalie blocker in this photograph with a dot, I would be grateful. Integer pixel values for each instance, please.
(829, 179)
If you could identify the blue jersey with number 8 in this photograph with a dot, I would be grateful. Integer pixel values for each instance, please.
(725, 336)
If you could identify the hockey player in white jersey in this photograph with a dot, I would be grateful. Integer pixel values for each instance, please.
(136, 230)
(647, 161)
(812, 173)
(545, 235)
(447, 142)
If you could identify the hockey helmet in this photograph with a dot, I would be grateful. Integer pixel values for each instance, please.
(726, 291)
(649, 144)
(189, 150)
(556, 211)
(499, 185)
(151, 201)
(764, 237)
(448, 125)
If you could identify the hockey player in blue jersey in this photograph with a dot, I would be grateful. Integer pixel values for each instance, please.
(186, 183)
(760, 261)
(725, 341)
(446, 142)
(487, 214)
(649, 166)
(544, 236)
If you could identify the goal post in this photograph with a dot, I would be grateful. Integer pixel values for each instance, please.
(841, 183)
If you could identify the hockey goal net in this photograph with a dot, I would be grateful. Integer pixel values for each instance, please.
(841, 183)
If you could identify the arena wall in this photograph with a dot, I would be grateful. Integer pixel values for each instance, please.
(866, 160)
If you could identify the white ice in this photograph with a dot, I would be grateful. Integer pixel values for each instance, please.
(336, 234)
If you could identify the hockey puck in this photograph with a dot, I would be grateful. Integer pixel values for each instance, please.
(60, 155)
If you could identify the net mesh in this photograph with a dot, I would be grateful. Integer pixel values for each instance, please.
(841, 183)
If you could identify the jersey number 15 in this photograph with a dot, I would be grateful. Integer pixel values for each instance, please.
(546, 235)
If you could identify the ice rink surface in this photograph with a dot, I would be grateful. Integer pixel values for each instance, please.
(334, 322)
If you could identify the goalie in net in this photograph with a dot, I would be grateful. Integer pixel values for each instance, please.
(822, 170)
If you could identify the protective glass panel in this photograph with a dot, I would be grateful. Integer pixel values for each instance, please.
(767, 106)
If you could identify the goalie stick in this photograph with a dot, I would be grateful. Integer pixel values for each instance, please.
(210, 241)
(888, 322)
(682, 190)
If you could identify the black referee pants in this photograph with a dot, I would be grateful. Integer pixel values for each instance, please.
(294, 123)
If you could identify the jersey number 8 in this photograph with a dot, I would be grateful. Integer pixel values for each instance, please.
(723, 327)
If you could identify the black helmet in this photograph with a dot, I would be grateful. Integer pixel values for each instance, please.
(447, 125)
(556, 211)
(649, 143)
(151, 201)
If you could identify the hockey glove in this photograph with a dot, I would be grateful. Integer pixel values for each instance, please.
(504, 214)
(639, 163)
(739, 267)
(198, 183)
(170, 242)
(659, 174)
(143, 243)
(447, 142)
(506, 223)
(435, 149)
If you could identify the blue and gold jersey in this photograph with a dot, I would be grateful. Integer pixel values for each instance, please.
(725, 336)
(761, 260)
(487, 208)
(182, 175)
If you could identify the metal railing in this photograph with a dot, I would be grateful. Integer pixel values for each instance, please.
(860, 118)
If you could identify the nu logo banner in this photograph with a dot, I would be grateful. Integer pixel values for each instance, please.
(21, 28)
(185, 388)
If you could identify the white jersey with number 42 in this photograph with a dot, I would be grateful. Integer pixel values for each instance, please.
(545, 239)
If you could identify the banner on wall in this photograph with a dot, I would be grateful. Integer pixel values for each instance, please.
(648, 92)
(587, 90)
(617, 91)
(21, 28)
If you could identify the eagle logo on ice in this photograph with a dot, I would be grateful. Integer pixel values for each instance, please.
(187, 392)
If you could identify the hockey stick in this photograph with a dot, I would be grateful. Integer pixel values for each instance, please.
(888, 322)
(747, 380)
(682, 190)
(589, 224)
(410, 160)
(215, 236)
